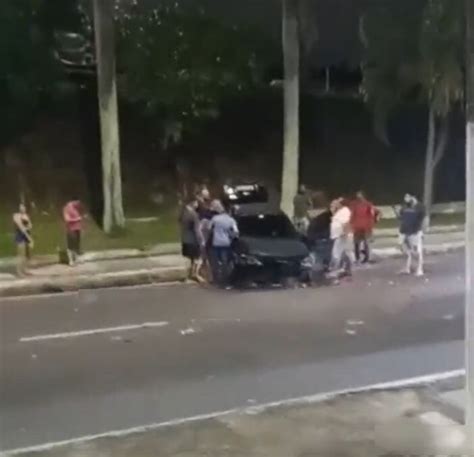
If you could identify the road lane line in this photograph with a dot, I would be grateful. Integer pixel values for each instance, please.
(96, 331)
(254, 409)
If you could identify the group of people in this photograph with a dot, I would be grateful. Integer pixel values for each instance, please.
(72, 214)
(207, 234)
(340, 232)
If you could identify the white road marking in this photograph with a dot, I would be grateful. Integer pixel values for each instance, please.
(318, 398)
(95, 331)
(355, 322)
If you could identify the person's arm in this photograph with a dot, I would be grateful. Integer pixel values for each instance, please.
(198, 231)
(421, 217)
(66, 214)
(347, 226)
(235, 228)
(18, 221)
(398, 210)
(376, 213)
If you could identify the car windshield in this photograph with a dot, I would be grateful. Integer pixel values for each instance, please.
(266, 226)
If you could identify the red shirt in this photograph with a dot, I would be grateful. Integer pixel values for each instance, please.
(72, 216)
(364, 216)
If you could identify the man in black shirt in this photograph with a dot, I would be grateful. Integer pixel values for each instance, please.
(411, 216)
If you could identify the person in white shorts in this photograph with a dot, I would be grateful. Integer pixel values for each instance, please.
(412, 215)
(341, 238)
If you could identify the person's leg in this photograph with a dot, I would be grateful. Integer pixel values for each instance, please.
(69, 248)
(217, 265)
(357, 246)
(190, 275)
(21, 259)
(327, 251)
(198, 272)
(406, 250)
(366, 248)
(419, 249)
(75, 247)
(226, 257)
(409, 253)
(346, 258)
(336, 255)
(78, 243)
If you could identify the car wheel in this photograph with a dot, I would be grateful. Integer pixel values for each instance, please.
(289, 283)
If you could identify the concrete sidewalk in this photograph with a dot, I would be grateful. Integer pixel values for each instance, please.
(162, 264)
(93, 275)
(407, 421)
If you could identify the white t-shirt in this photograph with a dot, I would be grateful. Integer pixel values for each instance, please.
(339, 221)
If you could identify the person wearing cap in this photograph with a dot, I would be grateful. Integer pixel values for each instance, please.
(224, 231)
(411, 217)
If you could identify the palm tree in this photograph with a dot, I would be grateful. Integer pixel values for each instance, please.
(440, 76)
(113, 215)
(291, 60)
(415, 48)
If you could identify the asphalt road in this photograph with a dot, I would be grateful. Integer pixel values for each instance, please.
(81, 364)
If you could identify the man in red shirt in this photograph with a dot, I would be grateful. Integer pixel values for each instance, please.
(72, 215)
(364, 217)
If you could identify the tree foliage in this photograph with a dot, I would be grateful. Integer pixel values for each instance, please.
(28, 68)
(442, 54)
(179, 63)
(413, 51)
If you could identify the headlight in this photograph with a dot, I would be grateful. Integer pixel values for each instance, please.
(246, 259)
(308, 262)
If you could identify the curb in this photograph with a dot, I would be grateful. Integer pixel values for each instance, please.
(443, 248)
(57, 284)
(175, 249)
(60, 284)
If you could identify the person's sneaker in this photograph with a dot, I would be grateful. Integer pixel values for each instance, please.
(419, 274)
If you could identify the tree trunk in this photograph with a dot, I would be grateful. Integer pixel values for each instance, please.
(113, 215)
(435, 148)
(328, 80)
(469, 313)
(429, 169)
(291, 52)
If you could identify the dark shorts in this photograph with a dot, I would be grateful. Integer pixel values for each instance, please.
(73, 240)
(361, 235)
(191, 251)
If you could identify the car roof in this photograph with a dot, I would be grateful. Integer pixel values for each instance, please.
(257, 209)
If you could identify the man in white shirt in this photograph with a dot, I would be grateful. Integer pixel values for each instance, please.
(341, 238)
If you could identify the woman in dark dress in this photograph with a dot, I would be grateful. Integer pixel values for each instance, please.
(191, 238)
(23, 238)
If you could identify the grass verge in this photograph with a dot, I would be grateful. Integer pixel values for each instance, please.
(49, 235)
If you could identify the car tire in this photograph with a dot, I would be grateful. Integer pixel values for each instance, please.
(289, 283)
